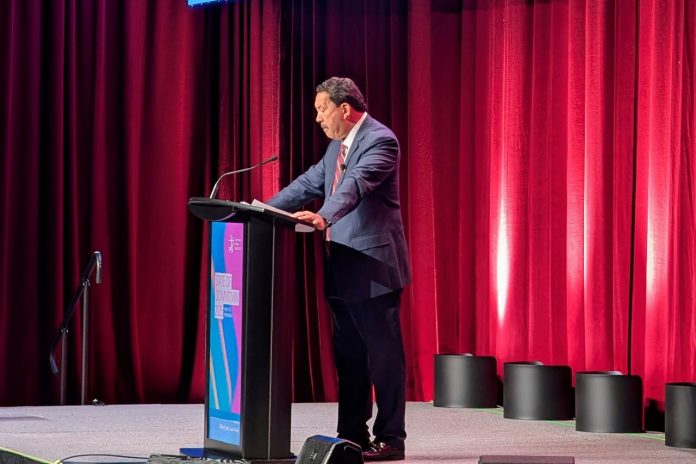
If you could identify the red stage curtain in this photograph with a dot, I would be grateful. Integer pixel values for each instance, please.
(547, 177)
(523, 126)
(665, 249)
(113, 114)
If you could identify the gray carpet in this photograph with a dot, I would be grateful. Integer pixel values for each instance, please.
(435, 434)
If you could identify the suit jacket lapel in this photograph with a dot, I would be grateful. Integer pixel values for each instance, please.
(355, 146)
(352, 155)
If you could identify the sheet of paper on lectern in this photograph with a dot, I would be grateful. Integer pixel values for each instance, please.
(298, 227)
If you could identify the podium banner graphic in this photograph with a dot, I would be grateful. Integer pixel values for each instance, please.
(225, 322)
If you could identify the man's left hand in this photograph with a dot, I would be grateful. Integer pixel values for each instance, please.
(308, 216)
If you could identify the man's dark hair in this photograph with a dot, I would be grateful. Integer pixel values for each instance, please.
(343, 90)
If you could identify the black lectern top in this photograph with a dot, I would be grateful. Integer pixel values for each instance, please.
(211, 209)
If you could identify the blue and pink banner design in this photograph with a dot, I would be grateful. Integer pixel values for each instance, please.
(225, 322)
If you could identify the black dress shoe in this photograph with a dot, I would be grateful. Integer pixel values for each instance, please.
(383, 452)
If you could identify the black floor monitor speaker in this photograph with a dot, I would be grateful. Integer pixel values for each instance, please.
(320, 449)
(497, 459)
(13, 457)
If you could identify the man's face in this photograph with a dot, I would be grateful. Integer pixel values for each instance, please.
(331, 117)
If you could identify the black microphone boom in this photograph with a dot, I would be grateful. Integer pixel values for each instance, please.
(217, 183)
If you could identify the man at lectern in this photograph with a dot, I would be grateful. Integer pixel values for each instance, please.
(367, 263)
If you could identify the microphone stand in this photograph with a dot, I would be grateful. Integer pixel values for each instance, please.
(62, 335)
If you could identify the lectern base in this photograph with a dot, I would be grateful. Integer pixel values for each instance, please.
(208, 455)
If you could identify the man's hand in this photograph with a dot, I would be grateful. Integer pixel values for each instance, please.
(308, 216)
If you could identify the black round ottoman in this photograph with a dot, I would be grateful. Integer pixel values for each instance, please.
(680, 414)
(608, 402)
(465, 381)
(534, 391)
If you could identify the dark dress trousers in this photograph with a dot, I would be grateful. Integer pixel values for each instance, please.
(366, 268)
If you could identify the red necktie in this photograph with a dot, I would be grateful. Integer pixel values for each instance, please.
(340, 169)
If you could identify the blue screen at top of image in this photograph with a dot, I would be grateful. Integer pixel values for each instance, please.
(200, 2)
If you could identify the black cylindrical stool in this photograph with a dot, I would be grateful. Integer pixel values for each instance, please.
(465, 381)
(534, 391)
(608, 402)
(680, 414)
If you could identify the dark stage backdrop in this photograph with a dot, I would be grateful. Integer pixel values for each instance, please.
(548, 177)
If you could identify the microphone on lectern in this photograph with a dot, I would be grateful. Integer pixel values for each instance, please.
(98, 259)
(217, 183)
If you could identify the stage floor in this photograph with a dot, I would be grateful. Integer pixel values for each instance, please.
(435, 434)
